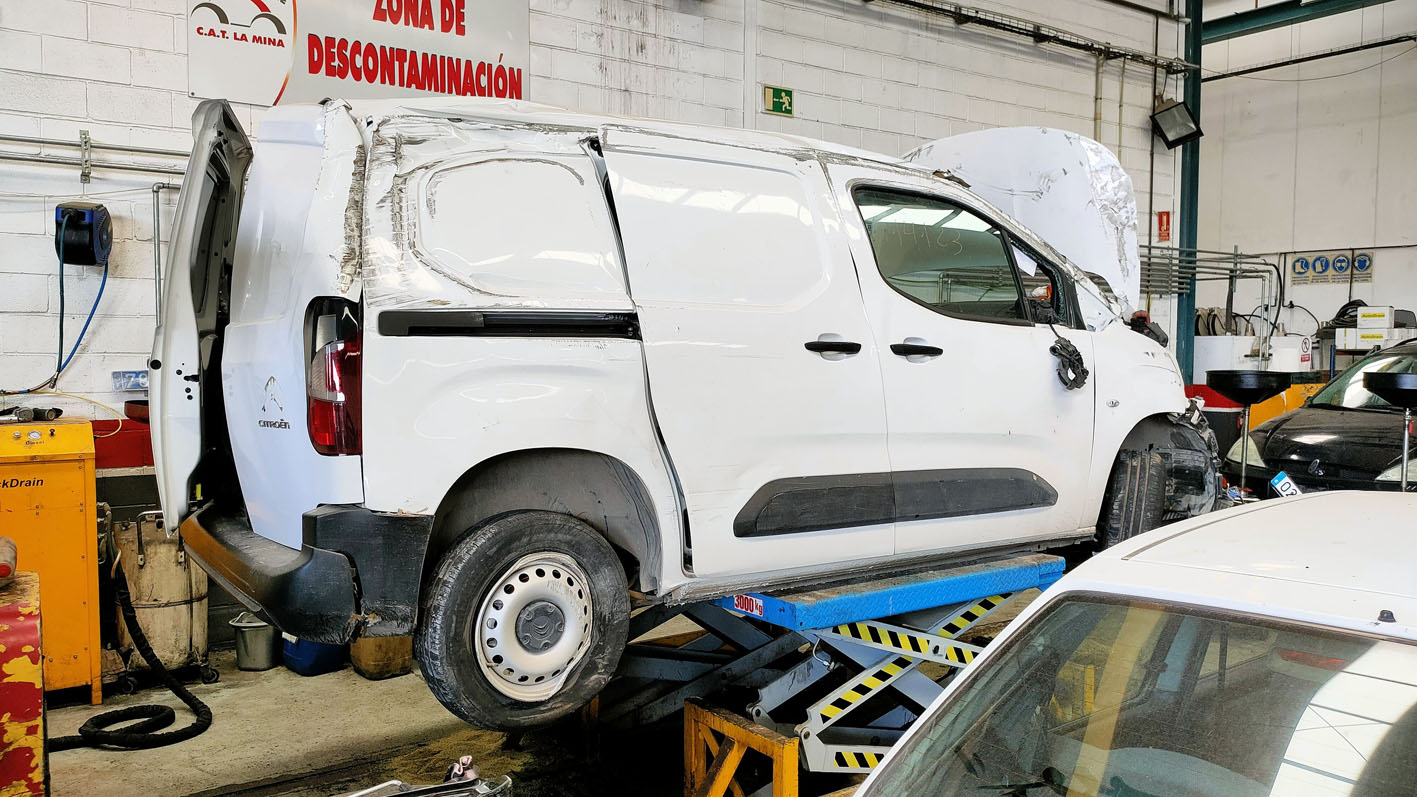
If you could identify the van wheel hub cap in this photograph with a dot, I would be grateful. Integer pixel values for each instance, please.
(540, 625)
(534, 626)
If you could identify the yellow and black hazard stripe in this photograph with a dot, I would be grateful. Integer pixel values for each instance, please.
(858, 691)
(972, 614)
(846, 759)
(866, 632)
(959, 655)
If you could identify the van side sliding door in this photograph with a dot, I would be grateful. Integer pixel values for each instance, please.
(763, 373)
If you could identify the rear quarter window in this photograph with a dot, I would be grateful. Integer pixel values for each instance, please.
(536, 227)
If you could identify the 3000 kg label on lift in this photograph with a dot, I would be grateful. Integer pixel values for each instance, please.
(748, 604)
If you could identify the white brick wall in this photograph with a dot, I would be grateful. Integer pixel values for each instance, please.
(873, 75)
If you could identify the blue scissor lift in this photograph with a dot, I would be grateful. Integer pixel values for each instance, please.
(863, 659)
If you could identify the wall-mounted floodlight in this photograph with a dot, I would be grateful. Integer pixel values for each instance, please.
(1175, 123)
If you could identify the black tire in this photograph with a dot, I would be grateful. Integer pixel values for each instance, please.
(1136, 497)
(469, 571)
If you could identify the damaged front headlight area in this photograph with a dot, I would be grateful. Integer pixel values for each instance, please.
(1246, 442)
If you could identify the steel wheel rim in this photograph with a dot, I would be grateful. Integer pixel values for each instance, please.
(534, 626)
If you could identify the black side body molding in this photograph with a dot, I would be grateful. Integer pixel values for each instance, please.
(508, 324)
(817, 503)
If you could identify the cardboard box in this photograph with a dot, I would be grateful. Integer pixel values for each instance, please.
(1375, 317)
(1364, 339)
(1361, 339)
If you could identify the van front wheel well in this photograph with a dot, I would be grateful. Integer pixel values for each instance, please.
(597, 489)
(1190, 459)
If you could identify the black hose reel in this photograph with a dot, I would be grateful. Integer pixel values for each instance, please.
(83, 233)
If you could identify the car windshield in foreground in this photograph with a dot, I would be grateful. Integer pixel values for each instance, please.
(1136, 699)
(1347, 391)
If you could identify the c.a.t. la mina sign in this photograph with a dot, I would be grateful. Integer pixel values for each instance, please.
(269, 51)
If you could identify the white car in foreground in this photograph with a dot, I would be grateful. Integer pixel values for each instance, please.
(1265, 650)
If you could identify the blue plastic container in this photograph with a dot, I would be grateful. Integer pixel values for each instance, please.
(312, 658)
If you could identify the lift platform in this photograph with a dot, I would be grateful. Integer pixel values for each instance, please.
(841, 670)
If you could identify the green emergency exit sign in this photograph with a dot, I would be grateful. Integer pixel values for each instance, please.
(777, 100)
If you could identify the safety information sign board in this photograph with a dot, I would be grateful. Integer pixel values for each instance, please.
(269, 52)
(1318, 268)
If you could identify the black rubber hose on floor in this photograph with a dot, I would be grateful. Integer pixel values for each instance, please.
(145, 734)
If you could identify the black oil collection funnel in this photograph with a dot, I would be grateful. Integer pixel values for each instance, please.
(1399, 390)
(1246, 388)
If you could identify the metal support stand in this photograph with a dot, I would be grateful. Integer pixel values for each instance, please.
(709, 765)
(1406, 443)
(1244, 448)
(841, 671)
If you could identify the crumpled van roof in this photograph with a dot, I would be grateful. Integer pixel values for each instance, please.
(531, 114)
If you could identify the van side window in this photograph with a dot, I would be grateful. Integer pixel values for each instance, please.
(487, 225)
(941, 255)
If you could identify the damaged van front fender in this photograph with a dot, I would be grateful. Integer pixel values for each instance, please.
(1141, 405)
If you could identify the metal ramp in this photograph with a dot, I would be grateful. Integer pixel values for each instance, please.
(844, 669)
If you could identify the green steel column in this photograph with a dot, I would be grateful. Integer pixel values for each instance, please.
(1190, 198)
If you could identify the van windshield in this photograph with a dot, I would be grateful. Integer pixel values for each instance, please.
(1104, 698)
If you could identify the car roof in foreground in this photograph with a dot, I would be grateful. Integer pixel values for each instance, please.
(1338, 559)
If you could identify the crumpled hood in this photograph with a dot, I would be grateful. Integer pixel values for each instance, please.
(1068, 189)
(1360, 443)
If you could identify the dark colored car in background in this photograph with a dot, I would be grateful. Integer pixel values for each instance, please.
(1344, 438)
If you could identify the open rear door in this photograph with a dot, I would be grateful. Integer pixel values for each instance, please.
(188, 417)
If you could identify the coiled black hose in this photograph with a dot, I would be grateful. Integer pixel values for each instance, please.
(145, 734)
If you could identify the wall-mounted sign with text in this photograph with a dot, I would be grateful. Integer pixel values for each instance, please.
(268, 52)
(1322, 268)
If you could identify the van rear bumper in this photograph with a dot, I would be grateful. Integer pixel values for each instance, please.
(358, 572)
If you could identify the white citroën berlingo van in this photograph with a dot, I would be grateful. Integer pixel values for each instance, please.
(473, 371)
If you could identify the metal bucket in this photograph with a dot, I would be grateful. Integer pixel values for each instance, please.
(256, 642)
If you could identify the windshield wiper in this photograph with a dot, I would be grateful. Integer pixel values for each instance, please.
(1050, 778)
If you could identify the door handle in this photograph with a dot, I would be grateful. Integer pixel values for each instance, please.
(916, 350)
(832, 347)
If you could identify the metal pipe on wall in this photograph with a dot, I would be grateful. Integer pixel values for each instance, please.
(158, 188)
(57, 142)
(79, 164)
(1121, 92)
(1097, 100)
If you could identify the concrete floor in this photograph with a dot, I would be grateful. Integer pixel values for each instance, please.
(279, 727)
(275, 733)
(278, 733)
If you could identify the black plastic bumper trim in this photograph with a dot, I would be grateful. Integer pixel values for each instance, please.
(317, 592)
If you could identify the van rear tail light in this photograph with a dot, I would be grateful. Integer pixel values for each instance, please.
(333, 381)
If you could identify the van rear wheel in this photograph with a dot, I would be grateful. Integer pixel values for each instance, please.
(1136, 497)
(524, 621)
